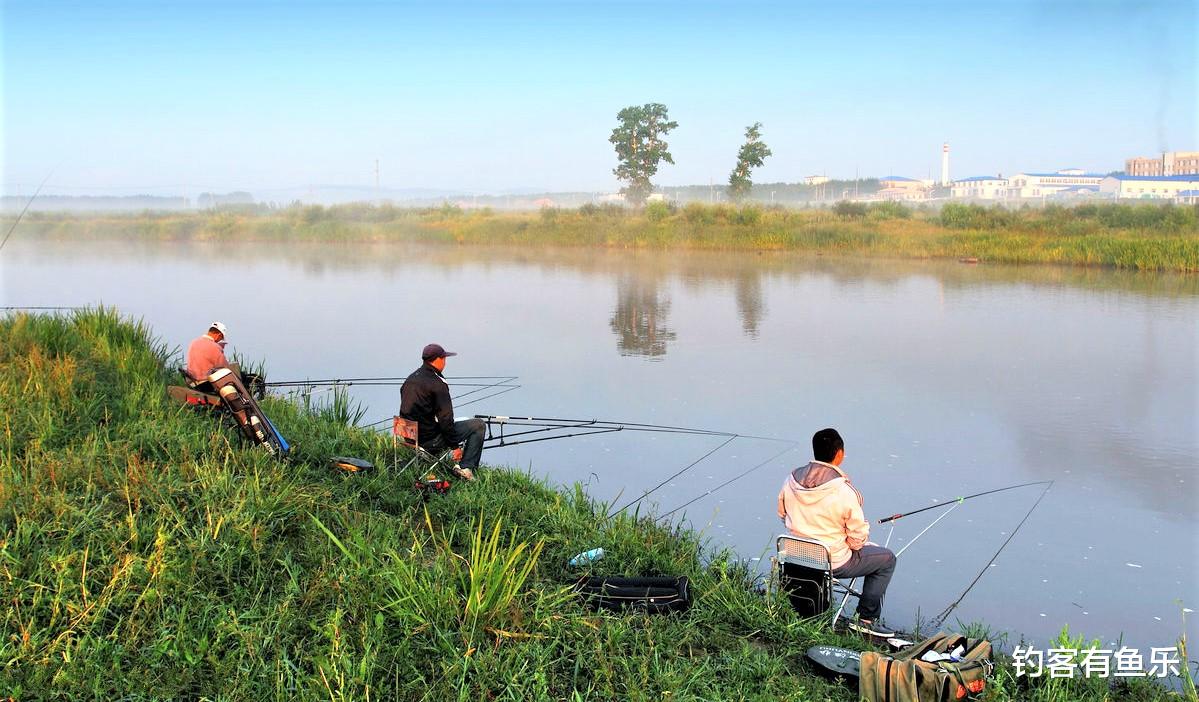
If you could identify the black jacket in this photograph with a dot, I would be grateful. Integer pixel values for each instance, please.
(425, 399)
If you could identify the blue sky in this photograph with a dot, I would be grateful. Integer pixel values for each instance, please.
(489, 96)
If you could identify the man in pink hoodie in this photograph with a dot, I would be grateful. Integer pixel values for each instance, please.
(819, 502)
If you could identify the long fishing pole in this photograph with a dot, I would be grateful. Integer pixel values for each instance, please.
(735, 478)
(629, 425)
(391, 378)
(940, 619)
(689, 466)
(901, 515)
(26, 208)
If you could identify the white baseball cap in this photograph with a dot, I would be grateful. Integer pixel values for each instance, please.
(218, 326)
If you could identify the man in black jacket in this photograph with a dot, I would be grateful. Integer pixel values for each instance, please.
(425, 399)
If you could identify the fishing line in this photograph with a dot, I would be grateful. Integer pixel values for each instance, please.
(691, 465)
(930, 526)
(24, 209)
(940, 619)
(735, 478)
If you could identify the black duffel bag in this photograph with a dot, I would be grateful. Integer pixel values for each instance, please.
(649, 595)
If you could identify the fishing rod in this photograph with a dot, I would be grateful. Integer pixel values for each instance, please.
(901, 515)
(689, 466)
(26, 208)
(392, 379)
(502, 420)
(735, 478)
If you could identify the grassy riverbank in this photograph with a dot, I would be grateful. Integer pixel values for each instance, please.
(1136, 237)
(146, 554)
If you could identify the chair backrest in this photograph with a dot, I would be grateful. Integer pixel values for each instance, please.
(407, 431)
(802, 551)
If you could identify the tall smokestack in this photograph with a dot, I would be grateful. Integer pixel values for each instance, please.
(945, 164)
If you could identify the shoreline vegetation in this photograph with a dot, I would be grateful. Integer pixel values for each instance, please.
(1141, 237)
(147, 554)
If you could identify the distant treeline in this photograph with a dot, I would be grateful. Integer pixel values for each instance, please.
(1131, 236)
(126, 203)
(778, 193)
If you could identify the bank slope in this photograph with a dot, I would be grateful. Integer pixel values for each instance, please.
(148, 554)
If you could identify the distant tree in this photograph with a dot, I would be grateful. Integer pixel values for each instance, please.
(640, 147)
(753, 154)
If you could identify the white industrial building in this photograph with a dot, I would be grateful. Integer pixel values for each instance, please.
(1127, 187)
(900, 188)
(1040, 186)
(981, 188)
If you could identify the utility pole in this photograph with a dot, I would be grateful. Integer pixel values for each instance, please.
(378, 195)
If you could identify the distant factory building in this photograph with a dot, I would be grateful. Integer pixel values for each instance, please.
(815, 180)
(1069, 181)
(1170, 163)
(1127, 187)
(981, 188)
(901, 188)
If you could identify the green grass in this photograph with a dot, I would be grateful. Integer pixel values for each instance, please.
(1135, 237)
(145, 553)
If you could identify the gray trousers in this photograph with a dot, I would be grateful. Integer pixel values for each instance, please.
(877, 564)
(469, 434)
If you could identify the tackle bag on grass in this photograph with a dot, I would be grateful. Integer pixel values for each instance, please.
(904, 677)
(649, 595)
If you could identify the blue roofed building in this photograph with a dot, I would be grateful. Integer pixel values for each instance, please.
(1043, 186)
(1130, 187)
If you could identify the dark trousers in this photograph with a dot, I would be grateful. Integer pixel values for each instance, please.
(467, 433)
(878, 565)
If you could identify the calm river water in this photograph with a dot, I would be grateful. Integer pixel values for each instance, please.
(945, 379)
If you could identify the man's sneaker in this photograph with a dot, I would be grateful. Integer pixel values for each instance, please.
(464, 473)
(870, 628)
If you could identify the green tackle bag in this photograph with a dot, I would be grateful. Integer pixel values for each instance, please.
(904, 677)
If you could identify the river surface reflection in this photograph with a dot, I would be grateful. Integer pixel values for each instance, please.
(945, 379)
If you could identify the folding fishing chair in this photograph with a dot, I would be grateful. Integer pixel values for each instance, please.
(406, 432)
(805, 573)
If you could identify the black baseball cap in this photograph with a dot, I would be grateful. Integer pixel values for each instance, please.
(433, 351)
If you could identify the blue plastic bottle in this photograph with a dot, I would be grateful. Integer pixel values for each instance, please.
(587, 557)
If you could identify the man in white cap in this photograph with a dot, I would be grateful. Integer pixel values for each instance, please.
(207, 353)
(425, 399)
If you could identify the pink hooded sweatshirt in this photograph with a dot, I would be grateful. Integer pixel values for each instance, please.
(818, 502)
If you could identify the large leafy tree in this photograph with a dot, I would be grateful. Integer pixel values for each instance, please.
(753, 153)
(640, 146)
